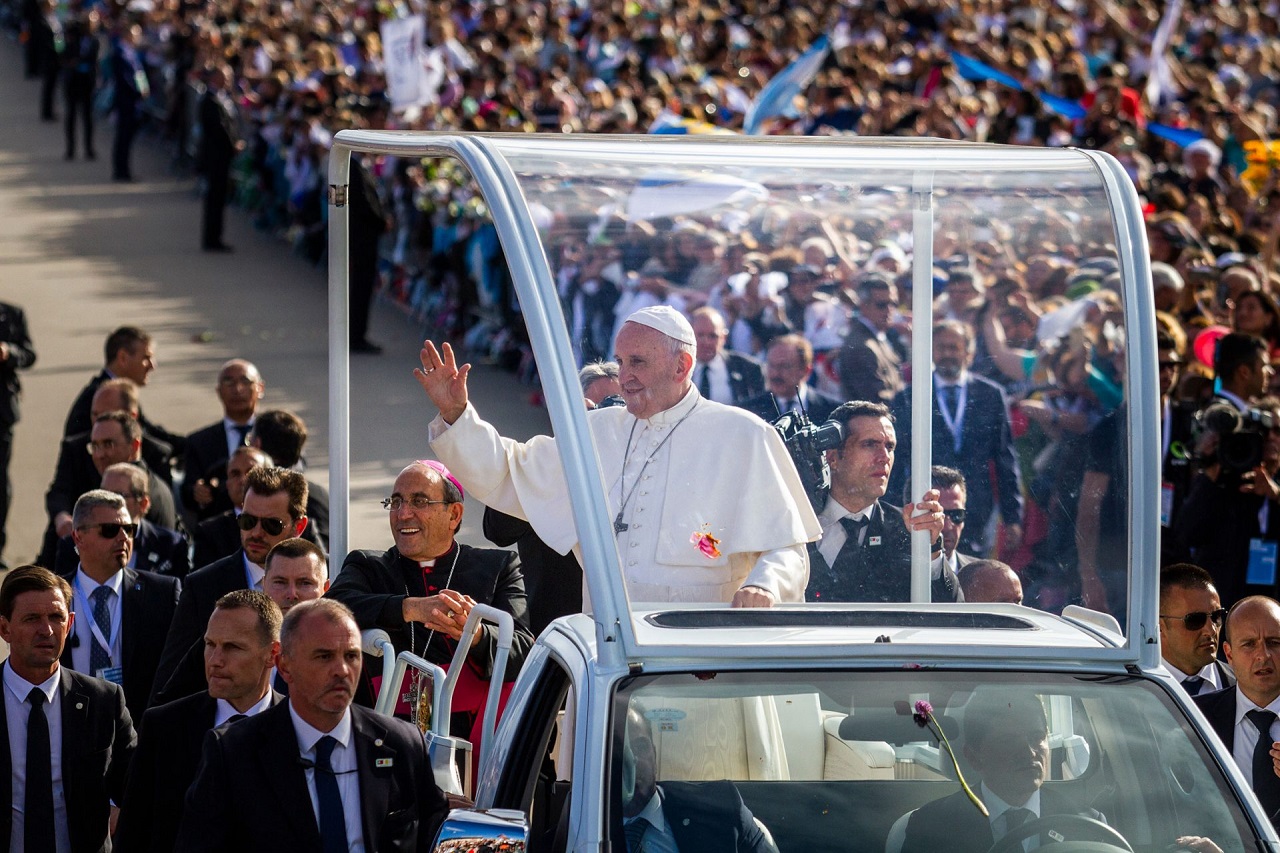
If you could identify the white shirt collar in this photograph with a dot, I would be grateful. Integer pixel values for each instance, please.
(226, 710)
(21, 688)
(679, 410)
(308, 735)
(1244, 705)
(998, 807)
(88, 585)
(1209, 673)
(253, 571)
(652, 812)
(228, 425)
(957, 382)
(1242, 405)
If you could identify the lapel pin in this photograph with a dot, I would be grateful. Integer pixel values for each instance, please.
(874, 540)
(685, 821)
(378, 742)
(382, 762)
(79, 706)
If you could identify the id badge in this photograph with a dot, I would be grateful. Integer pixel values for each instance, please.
(1166, 504)
(1262, 563)
(115, 674)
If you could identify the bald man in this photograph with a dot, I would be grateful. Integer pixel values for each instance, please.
(239, 387)
(990, 580)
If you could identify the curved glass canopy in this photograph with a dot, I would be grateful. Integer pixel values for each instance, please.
(1019, 276)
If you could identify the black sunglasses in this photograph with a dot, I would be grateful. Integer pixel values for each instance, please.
(1195, 621)
(270, 526)
(955, 515)
(111, 529)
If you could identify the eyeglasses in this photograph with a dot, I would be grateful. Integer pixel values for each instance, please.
(106, 446)
(1195, 621)
(111, 529)
(270, 526)
(394, 502)
(955, 516)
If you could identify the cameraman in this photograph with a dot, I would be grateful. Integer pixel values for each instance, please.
(1230, 521)
(865, 550)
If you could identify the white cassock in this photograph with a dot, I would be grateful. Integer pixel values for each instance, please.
(710, 468)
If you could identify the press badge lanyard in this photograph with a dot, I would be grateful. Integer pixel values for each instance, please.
(93, 623)
(954, 420)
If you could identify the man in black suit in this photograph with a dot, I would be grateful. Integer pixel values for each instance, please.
(16, 353)
(1253, 631)
(282, 435)
(131, 89)
(721, 374)
(869, 365)
(314, 773)
(865, 550)
(1007, 742)
(115, 438)
(219, 143)
(80, 80)
(1177, 445)
(1191, 618)
(274, 510)
(788, 363)
(124, 614)
(239, 388)
(953, 495)
(367, 224)
(129, 354)
(155, 549)
(689, 817)
(45, 702)
(219, 536)
(239, 653)
(421, 591)
(971, 433)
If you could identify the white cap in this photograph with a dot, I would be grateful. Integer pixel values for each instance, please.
(667, 320)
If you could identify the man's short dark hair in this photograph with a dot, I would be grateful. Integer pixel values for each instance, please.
(332, 610)
(127, 338)
(269, 480)
(846, 412)
(292, 549)
(1184, 576)
(282, 434)
(129, 426)
(873, 281)
(269, 616)
(30, 579)
(1234, 351)
(944, 478)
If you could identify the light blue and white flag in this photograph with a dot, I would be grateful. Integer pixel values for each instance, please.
(778, 95)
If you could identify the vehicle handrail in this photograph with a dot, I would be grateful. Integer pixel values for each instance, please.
(506, 631)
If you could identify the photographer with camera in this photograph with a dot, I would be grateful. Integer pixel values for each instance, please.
(865, 550)
(1230, 523)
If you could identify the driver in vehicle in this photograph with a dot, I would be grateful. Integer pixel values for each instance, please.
(1006, 739)
(706, 502)
(680, 816)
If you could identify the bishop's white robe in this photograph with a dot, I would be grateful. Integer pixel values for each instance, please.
(720, 470)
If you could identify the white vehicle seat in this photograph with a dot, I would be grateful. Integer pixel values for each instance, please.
(855, 759)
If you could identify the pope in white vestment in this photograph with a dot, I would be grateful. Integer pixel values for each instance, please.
(690, 468)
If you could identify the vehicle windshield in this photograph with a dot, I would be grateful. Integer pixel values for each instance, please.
(959, 309)
(835, 760)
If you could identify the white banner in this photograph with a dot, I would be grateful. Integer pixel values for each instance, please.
(402, 51)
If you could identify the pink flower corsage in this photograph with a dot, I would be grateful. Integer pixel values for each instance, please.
(707, 544)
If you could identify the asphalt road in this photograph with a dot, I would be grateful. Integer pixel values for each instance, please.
(83, 255)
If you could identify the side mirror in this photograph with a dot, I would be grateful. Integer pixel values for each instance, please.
(480, 829)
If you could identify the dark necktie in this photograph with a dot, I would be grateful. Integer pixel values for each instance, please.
(37, 816)
(1014, 818)
(846, 560)
(235, 718)
(1265, 782)
(951, 398)
(853, 527)
(333, 823)
(100, 658)
(704, 384)
(635, 831)
(242, 434)
(1193, 684)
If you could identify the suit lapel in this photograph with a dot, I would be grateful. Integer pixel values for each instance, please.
(131, 602)
(375, 781)
(6, 768)
(280, 762)
(76, 710)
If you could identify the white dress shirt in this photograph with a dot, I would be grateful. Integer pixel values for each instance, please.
(1246, 733)
(658, 838)
(997, 808)
(17, 709)
(82, 629)
(226, 710)
(721, 390)
(229, 429)
(1212, 681)
(253, 573)
(833, 535)
(343, 762)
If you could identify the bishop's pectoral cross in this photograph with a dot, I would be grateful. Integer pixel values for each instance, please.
(620, 526)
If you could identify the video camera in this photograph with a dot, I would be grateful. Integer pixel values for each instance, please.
(807, 443)
(1241, 436)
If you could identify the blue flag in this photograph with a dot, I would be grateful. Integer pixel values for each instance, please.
(1062, 106)
(1180, 136)
(973, 70)
(778, 94)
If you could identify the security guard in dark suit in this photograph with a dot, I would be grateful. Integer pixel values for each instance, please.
(16, 353)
